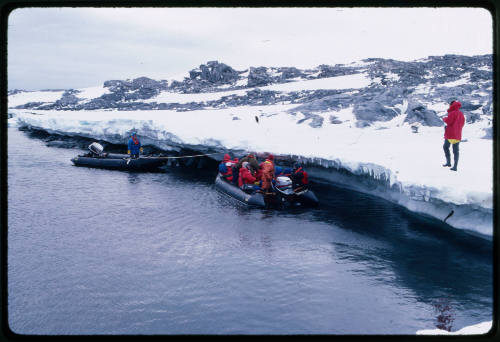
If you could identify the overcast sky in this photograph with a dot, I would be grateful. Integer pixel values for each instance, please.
(51, 48)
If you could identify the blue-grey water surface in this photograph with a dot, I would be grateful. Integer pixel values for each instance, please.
(108, 252)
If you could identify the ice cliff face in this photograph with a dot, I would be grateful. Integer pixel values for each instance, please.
(391, 86)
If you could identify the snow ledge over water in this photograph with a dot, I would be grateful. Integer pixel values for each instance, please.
(385, 159)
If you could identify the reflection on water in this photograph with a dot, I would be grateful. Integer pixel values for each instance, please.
(445, 314)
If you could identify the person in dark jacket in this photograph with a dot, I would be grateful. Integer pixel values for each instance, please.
(455, 121)
(236, 172)
(250, 158)
(225, 168)
(134, 146)
(299, 177)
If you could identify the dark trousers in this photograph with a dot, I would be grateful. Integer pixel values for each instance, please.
(236, 175)
(446, 148)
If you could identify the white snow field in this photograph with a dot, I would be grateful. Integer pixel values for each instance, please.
(33, 96)
(408, 164)
(476, 329)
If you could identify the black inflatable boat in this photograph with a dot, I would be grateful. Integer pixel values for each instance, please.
(125, 164)
(255, 199)
(114, 161)
(282, 195)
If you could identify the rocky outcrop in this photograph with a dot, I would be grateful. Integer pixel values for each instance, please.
(373, 110)
(437, 79)
(417, 112)
(258, 77)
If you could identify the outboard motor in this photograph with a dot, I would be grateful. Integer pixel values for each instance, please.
(284, 185)
(96, 148)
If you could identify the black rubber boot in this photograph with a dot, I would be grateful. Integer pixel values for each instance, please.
(455, 157)
(446, 149)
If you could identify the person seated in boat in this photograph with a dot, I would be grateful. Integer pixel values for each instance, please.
(134, 146)
(282, 171)
(226, 168)
(267, 172)
(250, 158)
(246, 181)
(236, 171)
(299, 177)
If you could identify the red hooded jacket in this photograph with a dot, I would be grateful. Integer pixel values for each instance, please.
(245, 177)
(225, 170)
(454, 122)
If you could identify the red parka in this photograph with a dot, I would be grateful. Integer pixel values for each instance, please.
(454, 122)
(245, 177)
(267, 174)
(225, 168)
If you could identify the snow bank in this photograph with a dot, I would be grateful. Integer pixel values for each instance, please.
(339, 82)
(403, 167)
(477, 329)
(87, 94)
(173, 97)
(33, 96)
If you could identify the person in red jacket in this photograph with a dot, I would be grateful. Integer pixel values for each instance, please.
(225, 168)
(245, 176)
(453, 132)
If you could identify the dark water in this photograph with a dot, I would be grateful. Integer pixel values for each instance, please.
(109, 252)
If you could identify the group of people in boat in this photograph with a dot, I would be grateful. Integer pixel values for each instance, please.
(248, 174)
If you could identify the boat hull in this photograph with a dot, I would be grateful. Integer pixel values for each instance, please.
(124, 164)
(254, 200)
(305, 198)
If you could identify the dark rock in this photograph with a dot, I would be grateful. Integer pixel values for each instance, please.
(472, 117)
(334, 120)
(488, 133)
(215, 73)
(29, 105)
(258, 77)
(373, 111)
(419, 113)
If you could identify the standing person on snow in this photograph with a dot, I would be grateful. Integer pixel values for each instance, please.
(134, 146)
(453, 132)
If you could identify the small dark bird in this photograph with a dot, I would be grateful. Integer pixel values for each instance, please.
(449, 215)
(256, 119)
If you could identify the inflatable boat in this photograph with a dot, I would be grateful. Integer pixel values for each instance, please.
(114, 161)
(282, 194)
(255, 199)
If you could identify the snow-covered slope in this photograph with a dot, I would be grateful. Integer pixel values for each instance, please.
(351, 125)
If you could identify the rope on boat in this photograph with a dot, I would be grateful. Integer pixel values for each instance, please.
(193, 156)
